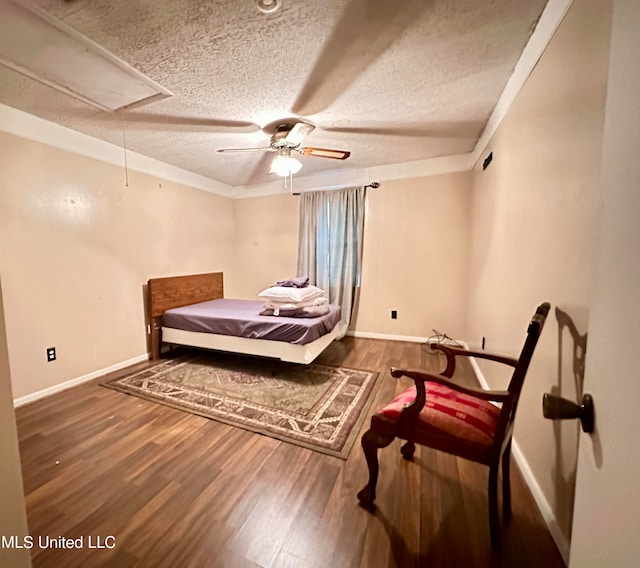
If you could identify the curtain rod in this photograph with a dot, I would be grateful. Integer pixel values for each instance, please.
(372, 185)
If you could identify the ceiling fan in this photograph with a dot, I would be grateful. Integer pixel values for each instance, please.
(286, 138)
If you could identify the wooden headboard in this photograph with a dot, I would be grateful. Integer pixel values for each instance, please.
(175, 292)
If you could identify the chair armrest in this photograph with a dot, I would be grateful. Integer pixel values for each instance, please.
(422, 377)
(452, 352)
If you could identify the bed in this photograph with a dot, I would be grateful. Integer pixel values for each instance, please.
(191, 310)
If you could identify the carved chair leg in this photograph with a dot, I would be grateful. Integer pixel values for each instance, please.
(407, 450)
(371, 441)
(506, 483)
(494, 523)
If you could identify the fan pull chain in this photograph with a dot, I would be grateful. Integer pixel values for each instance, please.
(289, 185)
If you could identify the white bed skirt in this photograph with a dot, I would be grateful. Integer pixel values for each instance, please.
(290, 352)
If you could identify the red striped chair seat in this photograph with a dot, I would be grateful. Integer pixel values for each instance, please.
(447, 411)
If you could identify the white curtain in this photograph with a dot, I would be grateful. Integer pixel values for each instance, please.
(330, 245)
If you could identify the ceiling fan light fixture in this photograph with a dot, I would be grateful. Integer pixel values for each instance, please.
(283, 165)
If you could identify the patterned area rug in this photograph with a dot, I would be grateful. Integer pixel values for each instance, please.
(316, 406)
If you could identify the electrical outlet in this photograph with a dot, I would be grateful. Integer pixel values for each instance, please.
(394, 314)
(51, 354)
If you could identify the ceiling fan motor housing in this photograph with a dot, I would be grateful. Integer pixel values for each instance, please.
(278, 140)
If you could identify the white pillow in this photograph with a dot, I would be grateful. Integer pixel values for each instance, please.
(288, 305)
(285, 293)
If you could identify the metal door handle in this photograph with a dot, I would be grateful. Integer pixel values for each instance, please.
(557, 408)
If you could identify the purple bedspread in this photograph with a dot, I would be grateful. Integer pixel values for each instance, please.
(241, 318)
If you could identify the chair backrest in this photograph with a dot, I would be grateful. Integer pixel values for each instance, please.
(517, 379)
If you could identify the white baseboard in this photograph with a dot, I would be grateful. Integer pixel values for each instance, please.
(531, 481)
(409, 338)
(541, 501)
(78, 380)
(370, 335)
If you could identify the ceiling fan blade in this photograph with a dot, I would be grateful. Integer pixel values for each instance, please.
(135, 120)
(451, 129)
(192, 121)
(232, 150)
(365, 31)
(298, 133)
(325, 153)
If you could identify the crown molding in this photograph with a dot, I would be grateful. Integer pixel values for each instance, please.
(346, 178)
(551, 17)
(19, 123)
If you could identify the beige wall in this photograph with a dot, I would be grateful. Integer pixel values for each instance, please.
(415, 254)
(266, 242)
(533, 230)
(415, 257)
(76, 248)
(13, 516)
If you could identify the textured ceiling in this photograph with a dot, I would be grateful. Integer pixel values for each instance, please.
(389, 81)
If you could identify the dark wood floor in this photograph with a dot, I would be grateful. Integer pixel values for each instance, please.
(179, 490)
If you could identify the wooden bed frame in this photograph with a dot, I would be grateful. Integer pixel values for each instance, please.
(177, 291)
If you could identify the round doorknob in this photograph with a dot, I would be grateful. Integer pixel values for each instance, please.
(558, 408)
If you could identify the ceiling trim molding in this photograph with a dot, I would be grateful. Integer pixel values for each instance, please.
(345, 178)
(551, 17)
(25, 125)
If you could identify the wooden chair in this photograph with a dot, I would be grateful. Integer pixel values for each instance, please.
(440, 414)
